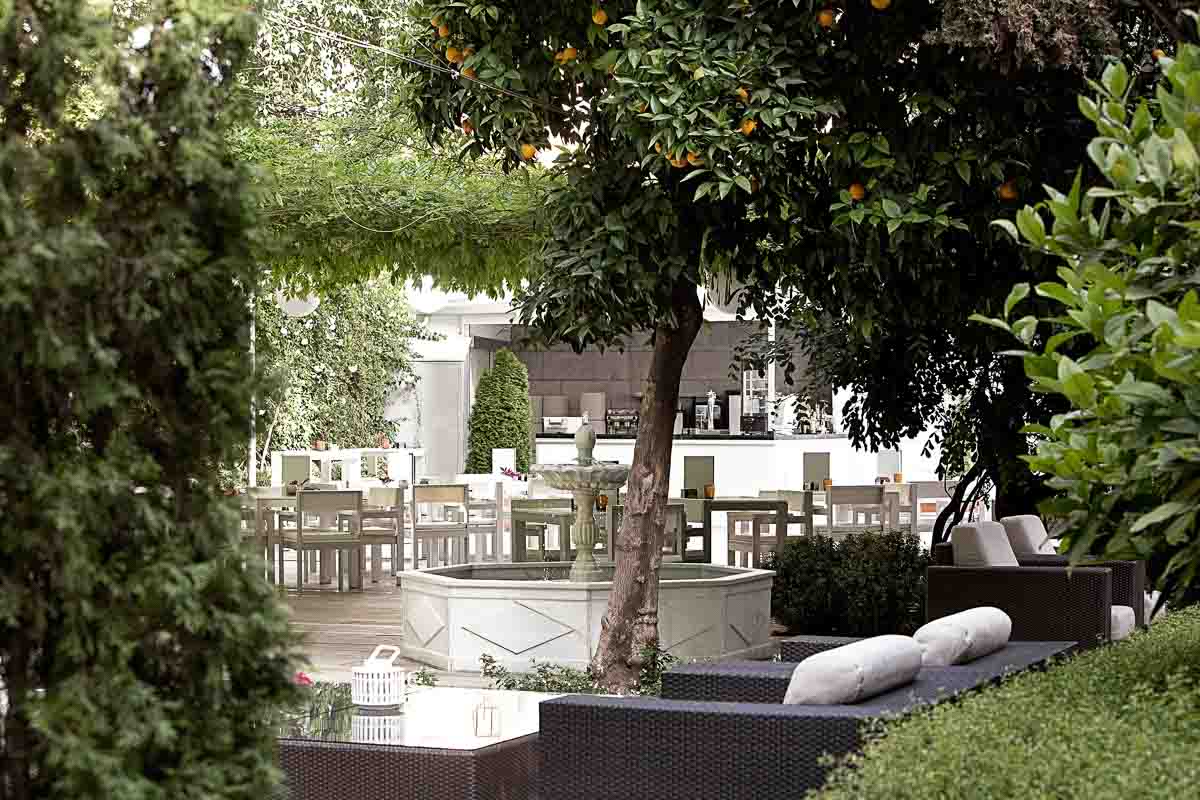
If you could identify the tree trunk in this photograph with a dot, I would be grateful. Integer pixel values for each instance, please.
(631, 622)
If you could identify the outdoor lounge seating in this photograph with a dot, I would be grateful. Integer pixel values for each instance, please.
(1046, 600)
(715, 744)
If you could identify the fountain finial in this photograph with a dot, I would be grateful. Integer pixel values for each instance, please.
(585, 442)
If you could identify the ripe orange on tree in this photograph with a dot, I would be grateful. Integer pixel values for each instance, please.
(694, 159)
(470, 72)
(1007, 191)
(748, 125)
(528, 151)
(881, 5)
(436, 22)
(1158, 53)
(468, 127)
(679, 163)
(600, 17)
(443, 30)
(857, 191)
(658, 147)
(825, 18)
(742, 94)
(454, 55)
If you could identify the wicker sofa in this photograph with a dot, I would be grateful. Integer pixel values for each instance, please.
(1047, 600)
(717, 744)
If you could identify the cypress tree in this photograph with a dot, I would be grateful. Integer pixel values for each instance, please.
(142, 653)
(500, 416)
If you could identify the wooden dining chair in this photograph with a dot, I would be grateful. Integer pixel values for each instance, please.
(382, 522)
(870, 508)
(328, 523)
(440, 519)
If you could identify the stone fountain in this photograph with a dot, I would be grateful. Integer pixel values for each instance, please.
(584, 479)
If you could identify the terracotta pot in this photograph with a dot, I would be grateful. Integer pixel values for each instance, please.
(710, 491)
(827, 483)
(319, 444)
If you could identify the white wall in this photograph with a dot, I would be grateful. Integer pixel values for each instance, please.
(747, 466)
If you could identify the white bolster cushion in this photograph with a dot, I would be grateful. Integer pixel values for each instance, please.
(963, 637)
(855, 671)
(1123, 622)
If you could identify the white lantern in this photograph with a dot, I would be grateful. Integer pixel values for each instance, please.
(379, 682)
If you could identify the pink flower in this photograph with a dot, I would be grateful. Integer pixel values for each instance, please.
(302, 679)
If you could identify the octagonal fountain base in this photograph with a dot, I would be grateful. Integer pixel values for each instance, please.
(519, 612)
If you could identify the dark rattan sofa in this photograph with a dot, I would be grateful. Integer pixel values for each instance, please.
(1046, 600)
(614, 748)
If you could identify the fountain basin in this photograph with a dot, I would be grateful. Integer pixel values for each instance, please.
(453, 615)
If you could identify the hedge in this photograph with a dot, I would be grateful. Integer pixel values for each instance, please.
(500, 416)
(867, 584)
(1121, 721)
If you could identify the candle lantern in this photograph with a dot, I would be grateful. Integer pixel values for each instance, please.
(487, 719)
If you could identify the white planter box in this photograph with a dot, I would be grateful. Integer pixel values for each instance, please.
(453, 615)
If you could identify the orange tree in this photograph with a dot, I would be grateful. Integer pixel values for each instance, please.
(950, 113)
(808, 152)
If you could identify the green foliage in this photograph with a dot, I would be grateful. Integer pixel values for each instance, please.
(868, 584)
(337, 367)
(1112, 723)
(940, 112)
(500, 416)
(142, 653)
(1120, 341)
(544, 677)
(354, 190)
(424, 677)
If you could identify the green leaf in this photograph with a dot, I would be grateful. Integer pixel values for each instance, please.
(1008, 227)
(1031, 226)
(995, 323)
(1161, 514)
(1025, 328)
(1077, 385)
(964, 170)
(1115, 78)
(1018, 293)
(891, 207)
(1056, 291)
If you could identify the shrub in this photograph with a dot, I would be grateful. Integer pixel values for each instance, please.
(1115, 722)
(543, 677)
(500, 416)
(865, 585)
(1122, 341)
(142, 653)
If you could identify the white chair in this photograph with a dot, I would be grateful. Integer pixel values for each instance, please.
(320, 527)
(926, 501)
(440, 519)
(855, 509)
(382, 523)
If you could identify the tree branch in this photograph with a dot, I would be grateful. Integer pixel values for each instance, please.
(1167, 21)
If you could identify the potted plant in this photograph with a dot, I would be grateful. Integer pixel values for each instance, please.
(319, 442)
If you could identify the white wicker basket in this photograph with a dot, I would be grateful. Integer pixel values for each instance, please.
(370, 728)
(379, 682)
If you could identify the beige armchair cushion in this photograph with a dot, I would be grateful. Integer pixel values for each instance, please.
(1027, 535)
(981, 544)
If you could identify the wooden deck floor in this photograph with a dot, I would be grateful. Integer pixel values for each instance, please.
(340, 629)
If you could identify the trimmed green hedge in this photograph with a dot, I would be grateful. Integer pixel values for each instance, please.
(865, 585)
(1117, 722)
(500, 416)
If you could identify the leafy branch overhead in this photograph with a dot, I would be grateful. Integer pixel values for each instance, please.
(1121, 341)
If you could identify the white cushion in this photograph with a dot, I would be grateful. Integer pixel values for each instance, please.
(981, 544)
(1151, 602)
(963, 637)
(855, 671)
(1123, 622)
(1027, 535)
